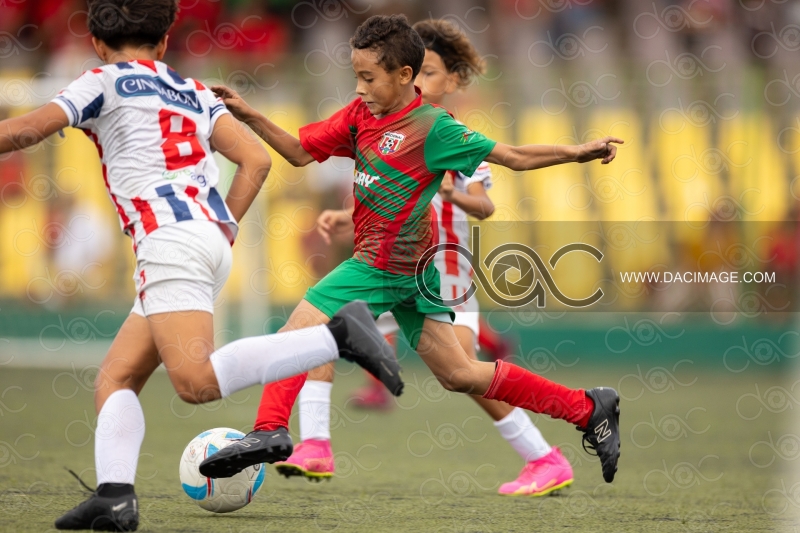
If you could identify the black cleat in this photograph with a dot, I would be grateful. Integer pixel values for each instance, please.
(254, 448)
(104, 513)
(360, 342)
(602, 432)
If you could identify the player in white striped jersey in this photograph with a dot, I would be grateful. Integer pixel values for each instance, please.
(450, 63)
(457, 195)
(155, 128)
(155, 132)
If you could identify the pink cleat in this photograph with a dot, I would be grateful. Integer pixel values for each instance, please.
(312, 459)
(542, 476)
(374, 397)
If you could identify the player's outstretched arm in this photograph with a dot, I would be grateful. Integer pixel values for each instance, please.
(232, 140)
(281, 141)
(31, 128)
(533, 156)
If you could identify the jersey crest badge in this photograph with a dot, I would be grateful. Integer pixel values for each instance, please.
(390, 142)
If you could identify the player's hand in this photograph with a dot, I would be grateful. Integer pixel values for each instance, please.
(600, 149)
(447, 187)
(235, 103)
(333, 222)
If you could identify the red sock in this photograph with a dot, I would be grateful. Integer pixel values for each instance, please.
(277, 402)
(520, 388)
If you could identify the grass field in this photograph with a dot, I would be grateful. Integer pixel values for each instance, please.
(690, 459)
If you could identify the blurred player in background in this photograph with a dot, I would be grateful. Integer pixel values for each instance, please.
(450, 64)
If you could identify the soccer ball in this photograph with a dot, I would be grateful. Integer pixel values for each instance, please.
(221, 495)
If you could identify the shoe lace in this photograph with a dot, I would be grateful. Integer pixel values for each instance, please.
(588, 444)
(76, 476)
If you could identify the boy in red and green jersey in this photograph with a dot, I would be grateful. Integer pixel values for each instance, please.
(400, 160)
(401, 149)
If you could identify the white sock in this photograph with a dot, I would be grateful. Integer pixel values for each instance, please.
(118, 438)
(267, 358)
(315, 410)
(522, 435)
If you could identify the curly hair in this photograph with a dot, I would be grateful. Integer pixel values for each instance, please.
(458, 54)
(393, 38)
(131, 22)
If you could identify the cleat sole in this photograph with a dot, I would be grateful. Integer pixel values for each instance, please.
(230, 466)
(552, 491)
(288, 470)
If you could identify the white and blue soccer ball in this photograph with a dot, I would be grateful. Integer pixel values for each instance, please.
(221, 495)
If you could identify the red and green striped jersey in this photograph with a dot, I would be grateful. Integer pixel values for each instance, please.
(400, 160)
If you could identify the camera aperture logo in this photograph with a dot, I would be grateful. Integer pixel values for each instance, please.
(516, 273)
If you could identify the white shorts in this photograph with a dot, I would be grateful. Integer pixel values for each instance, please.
(181, 267)
(467, 314)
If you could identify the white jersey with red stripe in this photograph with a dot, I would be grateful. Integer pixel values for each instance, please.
(152, 130)
(453, 228)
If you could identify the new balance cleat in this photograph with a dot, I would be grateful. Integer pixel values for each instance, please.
(117, 512)
(540, 477)
(254, 448)
(312, 459)
(602, 432)
(360, 342)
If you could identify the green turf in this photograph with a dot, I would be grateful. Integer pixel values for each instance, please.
(433, 464)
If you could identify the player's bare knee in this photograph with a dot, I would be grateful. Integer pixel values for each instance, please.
(460, 380)
(459, 385)
(193, 395)
(447, 384)
(190, 397)
(195, 389)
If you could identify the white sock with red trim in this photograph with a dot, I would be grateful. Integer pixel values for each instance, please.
(522, 435)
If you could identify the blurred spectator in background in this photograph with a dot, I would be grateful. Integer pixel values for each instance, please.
(79, 238)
